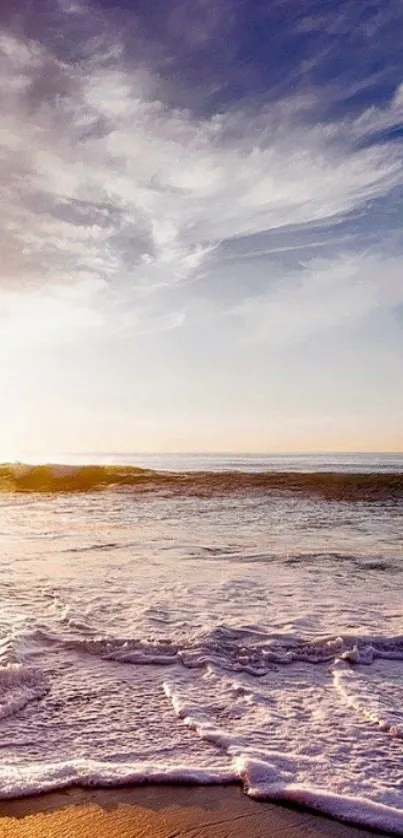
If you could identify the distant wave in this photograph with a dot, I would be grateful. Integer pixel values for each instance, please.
(372, 486)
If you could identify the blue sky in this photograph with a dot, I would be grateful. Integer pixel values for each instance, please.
(201, 226)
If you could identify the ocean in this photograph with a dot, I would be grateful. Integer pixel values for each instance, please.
(206, 619)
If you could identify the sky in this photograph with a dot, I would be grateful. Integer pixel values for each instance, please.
(201, 226)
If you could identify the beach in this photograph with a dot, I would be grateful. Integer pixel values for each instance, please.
(168, 633)
(164, 811)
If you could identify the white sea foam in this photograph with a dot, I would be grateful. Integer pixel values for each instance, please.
(253, 640)
(297, 775)
(48, 776)
(19, 686)
(232, 650)
(377, 695)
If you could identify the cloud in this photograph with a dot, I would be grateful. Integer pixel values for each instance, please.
(108, 187)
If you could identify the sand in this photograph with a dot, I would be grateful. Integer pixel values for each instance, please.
(164, 811)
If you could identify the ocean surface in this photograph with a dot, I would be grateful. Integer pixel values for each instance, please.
(206, 619)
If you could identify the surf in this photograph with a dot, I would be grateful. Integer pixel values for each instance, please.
(330, 485)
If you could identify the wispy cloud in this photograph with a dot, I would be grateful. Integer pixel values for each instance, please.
(109, 188)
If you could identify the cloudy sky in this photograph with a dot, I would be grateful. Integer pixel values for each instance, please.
(200, 225)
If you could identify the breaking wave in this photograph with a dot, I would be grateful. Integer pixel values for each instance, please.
(246, 650)
(335, 485)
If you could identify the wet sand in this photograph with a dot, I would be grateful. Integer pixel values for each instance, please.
(164, 811)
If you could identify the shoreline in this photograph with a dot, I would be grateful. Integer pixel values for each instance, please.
(163, 811)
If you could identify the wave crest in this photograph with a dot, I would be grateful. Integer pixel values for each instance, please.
(50, 479)
(233, 650)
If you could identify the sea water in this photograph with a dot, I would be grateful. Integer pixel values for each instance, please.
(207, 620)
